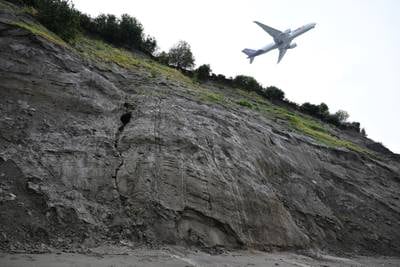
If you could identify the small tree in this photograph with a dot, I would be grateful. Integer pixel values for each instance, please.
(149, 45)
(310, 109)
(274, 93)
(203, 72)
(342, 115)
(247, 82)
(323, 110)
(181, 56)
(59, 16)
(129, 30)
(363, 132)
(163, 58)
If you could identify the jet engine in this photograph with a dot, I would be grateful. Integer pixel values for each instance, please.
(291, 46)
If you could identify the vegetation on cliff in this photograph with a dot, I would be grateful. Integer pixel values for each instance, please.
(107, 38)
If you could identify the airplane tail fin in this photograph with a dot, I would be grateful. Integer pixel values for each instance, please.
(249, 53)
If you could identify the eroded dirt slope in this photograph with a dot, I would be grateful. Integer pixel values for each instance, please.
(94, 152)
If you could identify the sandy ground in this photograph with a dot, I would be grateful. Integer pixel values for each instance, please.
(180, 257)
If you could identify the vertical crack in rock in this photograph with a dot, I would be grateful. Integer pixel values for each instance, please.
(157, 142)
(125, 119)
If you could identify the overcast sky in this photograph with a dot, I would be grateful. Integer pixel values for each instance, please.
(350, 61)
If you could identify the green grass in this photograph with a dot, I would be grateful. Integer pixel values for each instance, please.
(40, 31)
(245, 103)
(34, 28)
(321, 134)
(213, 97)
(98, 50)
(311, 127)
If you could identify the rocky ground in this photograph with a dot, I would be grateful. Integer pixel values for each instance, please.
(94, 152)
(184, 257)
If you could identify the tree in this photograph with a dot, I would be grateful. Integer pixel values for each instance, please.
(342, 115)
(130, 32)
(181, 56)
(59, 16)
(323, 110)
(203, 72)
(310, 109)
(111, 29)
(149, 45)
(247, 82)
(274, 93)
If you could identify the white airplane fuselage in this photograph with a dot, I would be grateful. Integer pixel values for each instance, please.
(282, 40)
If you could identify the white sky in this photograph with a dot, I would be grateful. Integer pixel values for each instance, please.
(350, 61)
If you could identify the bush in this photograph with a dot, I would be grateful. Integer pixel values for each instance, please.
(129, 32)
(363, 132)
(125, 32)
(310, 109)
(203, 72)
(323, 111)
(342, 115)
(332, 119)
(59, 16)
(274, 93)
(149, 46)
(163, 58)
(248, 83)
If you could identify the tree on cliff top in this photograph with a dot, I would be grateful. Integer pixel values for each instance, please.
(181, 56)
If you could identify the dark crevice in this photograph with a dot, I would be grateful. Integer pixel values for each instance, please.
(125, 119)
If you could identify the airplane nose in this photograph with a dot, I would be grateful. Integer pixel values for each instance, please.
(313, 24)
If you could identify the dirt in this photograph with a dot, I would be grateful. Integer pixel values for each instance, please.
(179, 256)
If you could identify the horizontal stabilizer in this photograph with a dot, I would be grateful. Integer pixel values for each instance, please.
(249, 52)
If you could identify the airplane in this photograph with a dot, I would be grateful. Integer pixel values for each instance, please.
(282, 40)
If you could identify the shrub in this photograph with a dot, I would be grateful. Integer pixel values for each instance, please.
(247, 82)
(332, 119)
(59, 16)
(342, 115)
(274, 93)
(310, 109)
(125, 32)
(149, 46)
(363, 132)
(203, 72)
(323, 111)
(163, 58)
(129, 32)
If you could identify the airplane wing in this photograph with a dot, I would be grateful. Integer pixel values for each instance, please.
(271, 31)
(282, 52)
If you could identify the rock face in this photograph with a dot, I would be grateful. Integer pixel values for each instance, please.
(92, 151)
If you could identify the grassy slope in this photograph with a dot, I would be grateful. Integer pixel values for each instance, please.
(100, 51)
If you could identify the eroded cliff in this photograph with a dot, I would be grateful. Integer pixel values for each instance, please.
(94, 150)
